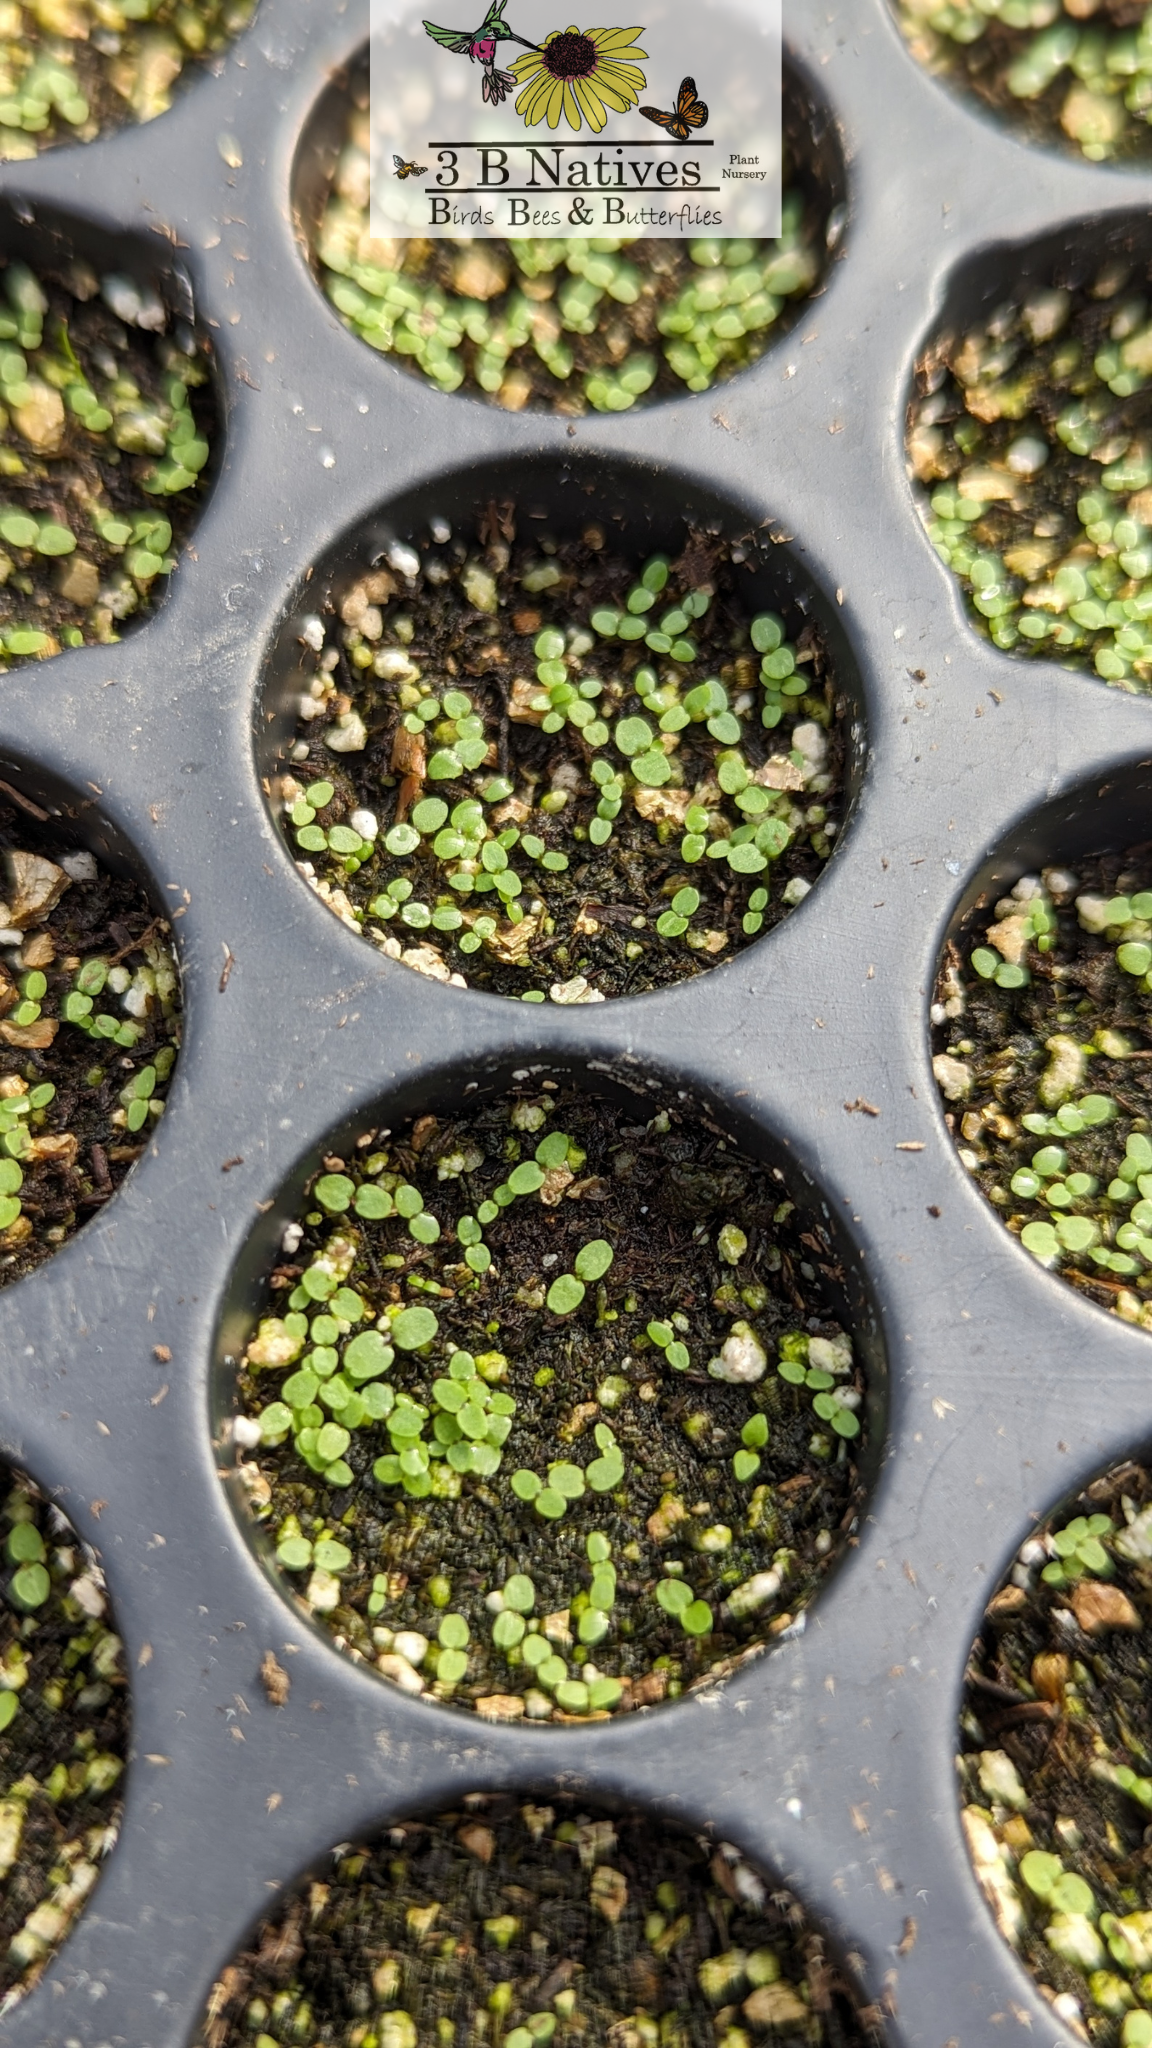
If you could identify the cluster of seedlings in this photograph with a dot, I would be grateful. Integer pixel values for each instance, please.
(1043, 1017)
(566, 325)
(1072, 72)
(71, 70)
(547, 770)
(105, 429)
(552, 1418)
(1048, 1094)
(1057, 1752)
(89, 1026)
(1030, 433)
(525, 1925)
(63, 1731)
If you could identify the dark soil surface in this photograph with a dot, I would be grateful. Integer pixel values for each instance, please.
(63, 1745)
(1056, 1740)
(68, 1135)
(620, 1463)
(1047, 1079)
(520, 791)
(541, 1923)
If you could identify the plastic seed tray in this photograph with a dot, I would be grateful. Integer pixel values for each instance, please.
(829, 1761)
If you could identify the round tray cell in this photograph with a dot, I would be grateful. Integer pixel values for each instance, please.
(107, 415)
(63, 1730)
(1043, 1032)
(89, 1026)
(559, 762)
(71, 70)
(1028, 437)
(567, 326)
(526, 1922)
(553, 1407)
(1076, 74)
(1056, 1743)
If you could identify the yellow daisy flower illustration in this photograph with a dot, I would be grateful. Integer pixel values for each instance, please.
(582, 74)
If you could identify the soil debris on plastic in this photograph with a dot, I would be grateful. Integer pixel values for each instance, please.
(536, 1923)
(106, 423)
(89, 1027)
(1043, 1029)
(1077, 73)
(1056, 1742)
(71, 70)
(63, 1731)
(567, 325)
(1030, 436)
(546, 770)
(553, 1410)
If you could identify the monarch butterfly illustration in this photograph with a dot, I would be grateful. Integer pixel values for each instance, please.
(690, 112)
(404, 170)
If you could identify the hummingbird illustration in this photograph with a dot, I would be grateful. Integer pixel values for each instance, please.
(479, 46)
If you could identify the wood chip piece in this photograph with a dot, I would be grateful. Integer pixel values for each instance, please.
(525, 701)
(666, 1518)
(33, 887)
(777, 2005)
(500, 1706)
(779, 772)
(477, 1839)
(275, 1680)
(649, 1690)
(1008, 1601)
(663, 806)
(38, 951)
(609, 1892)
(1099, 1608)
(30, 1037)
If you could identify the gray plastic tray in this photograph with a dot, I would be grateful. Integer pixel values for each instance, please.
(830, 1761)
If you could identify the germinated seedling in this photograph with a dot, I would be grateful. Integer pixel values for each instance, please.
(553, 772)
(71, 70)
(1057, 1742)
(1077, 73)
(544, 1922)
(1029, 436)
(1043, 1017)
(568, 326)
(89, 1026)
(556, 1415)
(63, 1731)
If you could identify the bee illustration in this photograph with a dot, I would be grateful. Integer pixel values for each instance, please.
(690, 112)
(404, 170)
